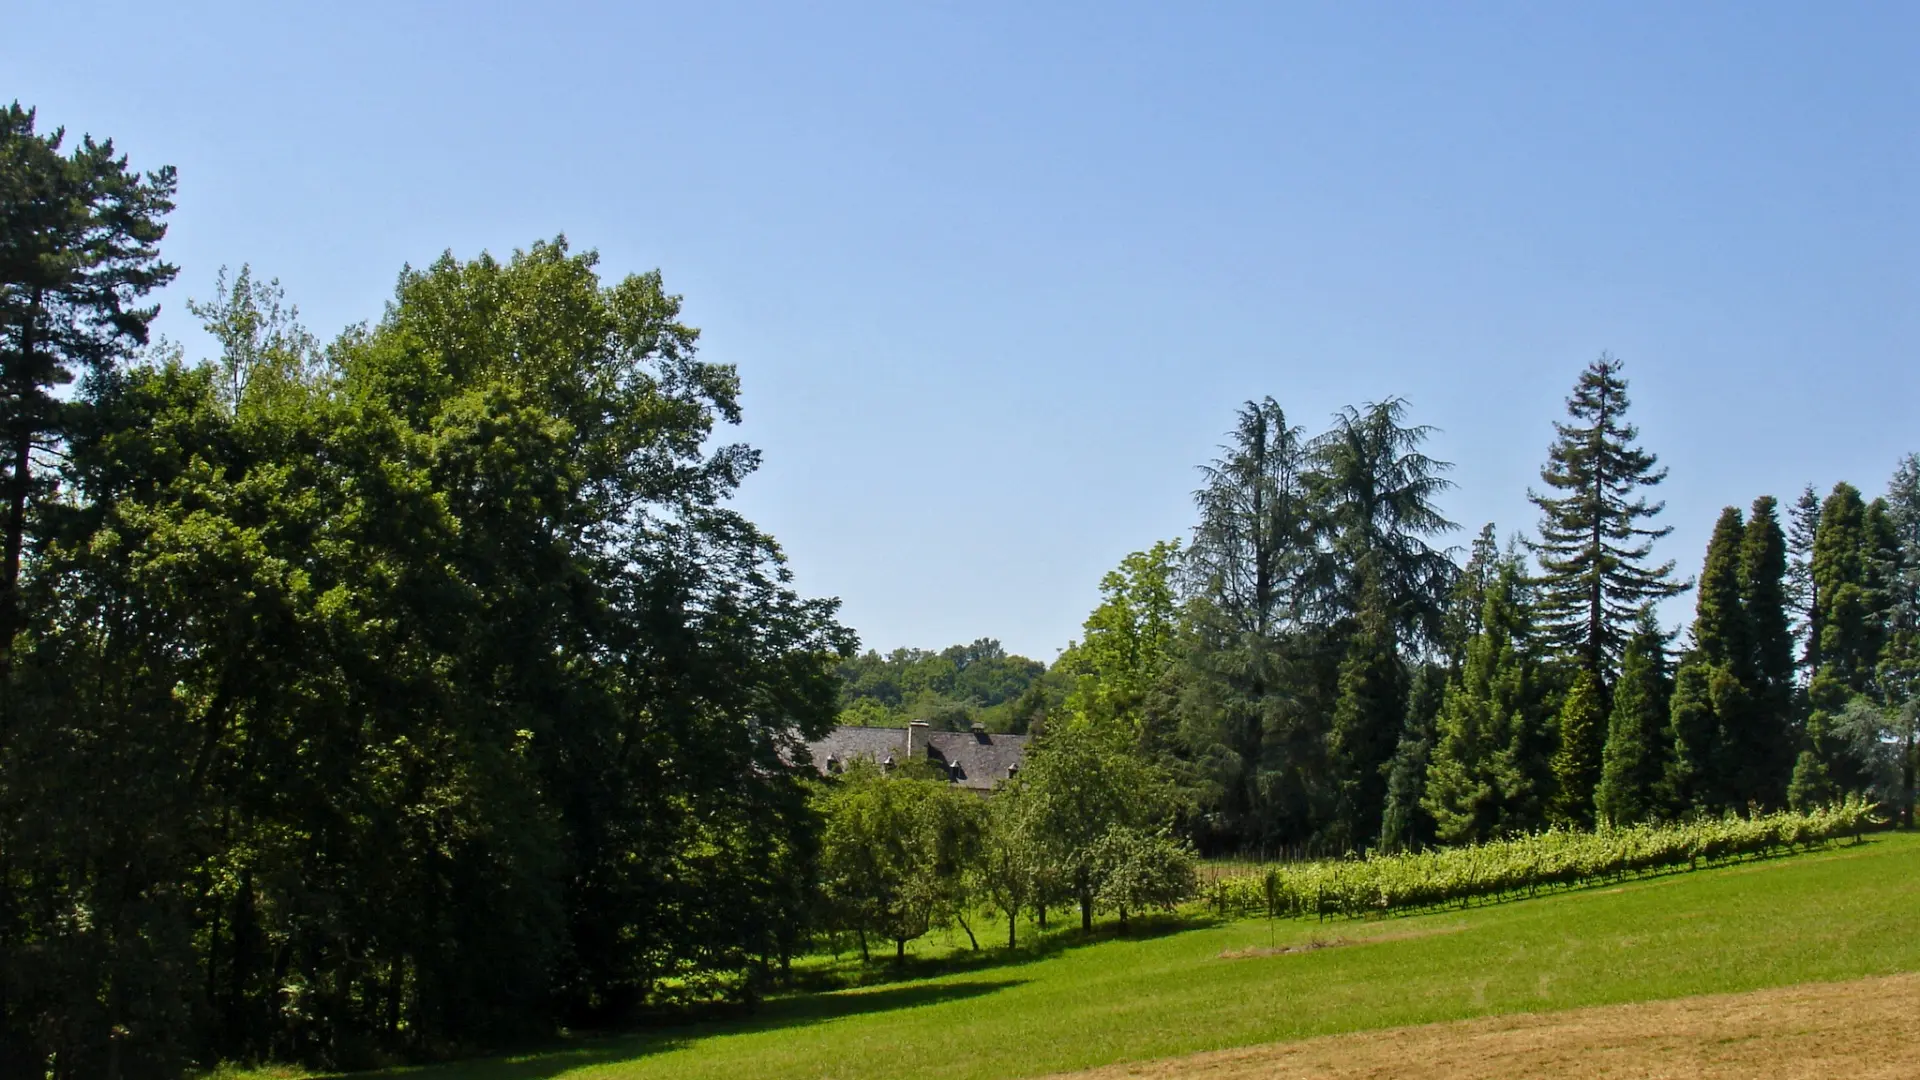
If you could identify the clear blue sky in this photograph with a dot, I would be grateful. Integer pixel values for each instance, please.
(997, 276)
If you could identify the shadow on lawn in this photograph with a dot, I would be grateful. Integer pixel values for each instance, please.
(796, 1011)
(883, 970)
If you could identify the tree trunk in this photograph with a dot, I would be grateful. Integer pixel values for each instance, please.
(962, 920)
(865, 957)
(899, 950)
(1010, 914)
(19, 487)
(1086, 912)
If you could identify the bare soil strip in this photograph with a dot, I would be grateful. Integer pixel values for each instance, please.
(1867, 1029)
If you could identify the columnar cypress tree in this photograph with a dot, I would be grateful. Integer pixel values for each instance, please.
(1763, 753)
(1845, 547)
(1488, 773)
(1576, 763)
(1594, 541)
(1632, 764)
(1710, 697)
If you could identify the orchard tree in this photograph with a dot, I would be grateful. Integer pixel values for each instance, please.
(1076, 786)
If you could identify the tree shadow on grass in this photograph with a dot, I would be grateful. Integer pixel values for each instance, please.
(885, 970)
(796, 1011)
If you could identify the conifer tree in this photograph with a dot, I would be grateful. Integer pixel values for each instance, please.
(1366, 726)
(1468, 603)
(1897, 678)
(1803, 527)
(1849, 540)
(1632, 763)
(1763, 753)
(1404, 824)
(1710, 698)
(1582, 730)
(1384, 587)
(1489, 766)
(79, 236)
(1595, 537)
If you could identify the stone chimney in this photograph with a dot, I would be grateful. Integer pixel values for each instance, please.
(913, 726)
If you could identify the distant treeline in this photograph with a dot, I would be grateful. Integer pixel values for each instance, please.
(952, 689)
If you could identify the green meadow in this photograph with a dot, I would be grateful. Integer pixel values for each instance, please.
(1847, 911)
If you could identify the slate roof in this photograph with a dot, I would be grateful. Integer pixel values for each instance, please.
(975, 760)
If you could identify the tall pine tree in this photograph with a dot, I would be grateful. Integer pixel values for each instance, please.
(1595, 537)
(79, 236)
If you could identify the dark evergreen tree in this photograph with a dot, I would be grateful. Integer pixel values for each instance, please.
(1367, 718)
(1373, 494)
(79, 236)
(1848, 542)
(1581, 730)
(1404, 824)
(1632, 764)
(1469, 600)
(1250, 570)
(1381, 586)
(1595, 539)
(1710, 699)
(1761, 758)
(1489, 774)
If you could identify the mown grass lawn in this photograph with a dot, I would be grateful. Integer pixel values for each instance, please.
(1848, 911)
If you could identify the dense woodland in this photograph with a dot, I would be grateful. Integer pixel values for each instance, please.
(417, 690)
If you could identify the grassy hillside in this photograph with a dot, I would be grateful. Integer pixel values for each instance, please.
(1845, 912)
